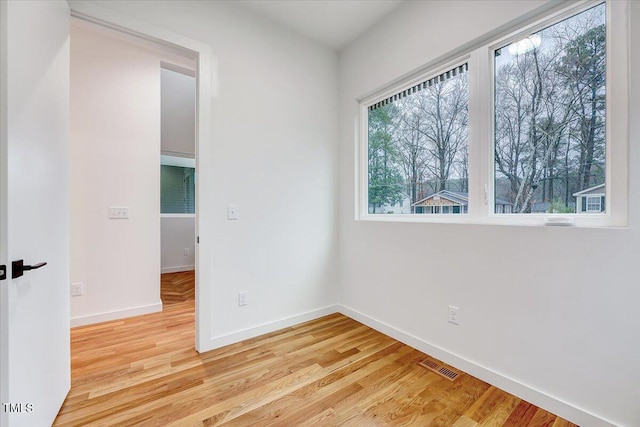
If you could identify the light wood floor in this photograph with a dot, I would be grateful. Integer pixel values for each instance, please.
(177, 287)
(328, 372)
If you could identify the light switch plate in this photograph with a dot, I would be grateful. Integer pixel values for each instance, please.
(232, 212)
(119, 212)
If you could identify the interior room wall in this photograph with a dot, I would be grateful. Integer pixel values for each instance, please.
(177, 138)
(274, 135)
(178, 113)
(178, 243)
(550, 314)
(114, 162)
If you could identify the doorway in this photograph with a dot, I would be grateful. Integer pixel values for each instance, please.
(177, 184)
(115, 172)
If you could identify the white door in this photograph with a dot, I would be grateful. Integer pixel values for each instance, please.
(34, 308)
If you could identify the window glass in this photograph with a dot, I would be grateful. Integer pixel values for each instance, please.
(177, 190)
(593, 204)
(418, 147)
(550, 116)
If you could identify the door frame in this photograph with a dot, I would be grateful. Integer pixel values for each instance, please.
(206, 82)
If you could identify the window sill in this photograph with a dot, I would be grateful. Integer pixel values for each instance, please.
(519, 220)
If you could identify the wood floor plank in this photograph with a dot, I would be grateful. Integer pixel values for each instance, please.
(332, 371)
(464, 421)
(521, 415)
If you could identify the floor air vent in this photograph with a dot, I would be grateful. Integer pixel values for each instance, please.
(440, 369)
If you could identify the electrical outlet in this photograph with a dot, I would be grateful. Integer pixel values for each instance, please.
(77, 289)
(454, 315)
(186, 251)
(243, 298)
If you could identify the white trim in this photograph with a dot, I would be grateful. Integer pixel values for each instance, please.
(183, 216)
(114, 315)
(177, 269)
(537, 397)
(362, 162)
(177, 154)
(177, 69)
(206, 88)
(183, 162)
(265, 328)
(111, 19)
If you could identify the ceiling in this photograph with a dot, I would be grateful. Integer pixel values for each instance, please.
(333, 23)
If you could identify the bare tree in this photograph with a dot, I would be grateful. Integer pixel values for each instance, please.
(445, 107)
(410, 144)
(549, 126)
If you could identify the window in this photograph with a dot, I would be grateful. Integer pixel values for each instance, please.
(594, 204)
(533, 105)
(549, 111)
(177, 185)
(418, 143)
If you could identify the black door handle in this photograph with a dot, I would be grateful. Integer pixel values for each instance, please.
(18, 268)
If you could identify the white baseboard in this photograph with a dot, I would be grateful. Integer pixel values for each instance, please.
(113, 315)
(177, 269)
(265, 328)
(543, 400)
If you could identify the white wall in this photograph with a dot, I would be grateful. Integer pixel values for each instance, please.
(114, 161)
(548, 313)
(178, 113)
(274, 125)
(177, 234)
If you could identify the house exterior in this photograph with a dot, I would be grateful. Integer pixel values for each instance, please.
(503, 206)
(590, 200)
(451, 202)
(402, 207)
(442, 202)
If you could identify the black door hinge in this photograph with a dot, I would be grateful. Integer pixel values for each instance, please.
(3, 272)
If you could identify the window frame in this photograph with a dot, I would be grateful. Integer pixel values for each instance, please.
(182, 161)
(481, 168)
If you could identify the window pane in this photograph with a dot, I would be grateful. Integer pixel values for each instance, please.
(177, 189)
(550, 116)
(418, 145)
(594, 204)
